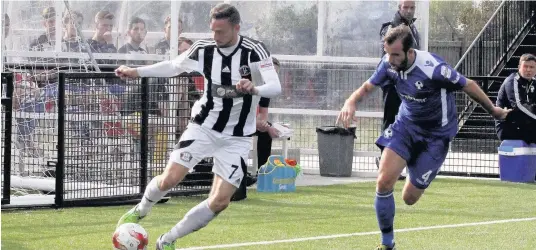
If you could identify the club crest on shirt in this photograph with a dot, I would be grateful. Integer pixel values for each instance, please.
(388, 133)
(245, 71)
(186, 156)
(419, 85)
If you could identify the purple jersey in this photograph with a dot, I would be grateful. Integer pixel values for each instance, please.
(426, 92)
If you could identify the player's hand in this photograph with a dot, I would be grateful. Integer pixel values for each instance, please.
(246, 86)
(126, 72)
(347, 114)
(500, 113)
(262, 125)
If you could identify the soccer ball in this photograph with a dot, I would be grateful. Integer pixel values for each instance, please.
(130, 236)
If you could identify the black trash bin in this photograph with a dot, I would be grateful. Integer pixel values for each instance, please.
(335, 150)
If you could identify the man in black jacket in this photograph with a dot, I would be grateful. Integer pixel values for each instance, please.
(518, 92)
(391, 100)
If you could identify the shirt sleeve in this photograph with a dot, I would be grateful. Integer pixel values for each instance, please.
(448, 77)
(261, 61)
(380, 77)
(185, 62)
(272, 85)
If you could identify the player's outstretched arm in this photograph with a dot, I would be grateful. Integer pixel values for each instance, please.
(185, 62)
(347, 114)
(161, 69)
(475, 92)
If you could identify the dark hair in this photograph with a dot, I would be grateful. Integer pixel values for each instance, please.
(223, 11)
(400, 32)
(276, 62)
(133, 21)
(185, 40)
(527, 57)
(6, 18)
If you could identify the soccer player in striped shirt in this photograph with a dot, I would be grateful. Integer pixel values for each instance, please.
(238, 71)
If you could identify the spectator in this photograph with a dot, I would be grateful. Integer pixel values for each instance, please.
(101, 42)
(162, 47)
(136, 33)
(184, 44)
(46, 41)
(72, 20)
(7, 24)
(265, 133)
(404, 15)
(188, 94)
(518, 92)
(391, 100)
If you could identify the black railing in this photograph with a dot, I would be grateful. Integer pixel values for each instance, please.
(92, 138)
(118, 135)
(7, 113)
(489, 51)
(493, 47)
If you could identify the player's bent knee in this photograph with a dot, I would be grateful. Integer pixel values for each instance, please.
(411, 194)
(410, 199)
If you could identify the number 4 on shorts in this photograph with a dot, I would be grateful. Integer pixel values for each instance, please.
(426, 176)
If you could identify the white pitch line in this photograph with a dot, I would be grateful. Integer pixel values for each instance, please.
(358, 234)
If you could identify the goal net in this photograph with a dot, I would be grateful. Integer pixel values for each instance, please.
(48, 37)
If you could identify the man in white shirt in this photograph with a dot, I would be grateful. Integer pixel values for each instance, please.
(238, 71)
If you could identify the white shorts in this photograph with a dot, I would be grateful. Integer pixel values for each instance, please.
(230, 153)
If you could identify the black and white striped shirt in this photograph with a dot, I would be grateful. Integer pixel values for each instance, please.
(221, 107)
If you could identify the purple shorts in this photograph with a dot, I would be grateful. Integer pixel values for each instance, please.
(424, 154)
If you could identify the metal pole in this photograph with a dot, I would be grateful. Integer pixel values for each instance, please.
(321, 21)
(7, 101)
(60, 167)
(144, 133)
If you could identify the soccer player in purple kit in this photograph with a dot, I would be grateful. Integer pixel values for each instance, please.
(426, 122)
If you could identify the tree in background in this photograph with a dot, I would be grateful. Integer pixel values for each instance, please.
(459, 20)
(289, 31)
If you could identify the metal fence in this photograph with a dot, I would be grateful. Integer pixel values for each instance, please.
(92, 138)
(101, 139)
(333, 84)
